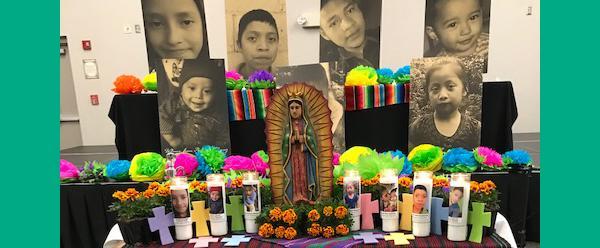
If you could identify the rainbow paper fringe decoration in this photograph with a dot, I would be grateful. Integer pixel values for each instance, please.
(373, 96)
(248, 104)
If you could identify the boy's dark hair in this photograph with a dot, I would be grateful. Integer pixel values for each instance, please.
(439, 65)
(197, 68)
(259, 15)
(419, 187)
(323, 2)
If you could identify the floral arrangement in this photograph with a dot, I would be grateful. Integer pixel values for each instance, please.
(426, 157)
(407, 168)
(404, 185)
(328, 219)
(459, 160)
(276, 222)
(117, 170)
(261, 79)
(257, 162)
(133, 205)
(361, 75)
(234, 80)
(402, 75)
(210, 160)
(147, 166)
(68, 171)
(441, 188)
(489, 159)
(149, 82)
(385, 76)
(485, 192)
(188, 162)
(127, 84)
(93, 172)
(516, 158)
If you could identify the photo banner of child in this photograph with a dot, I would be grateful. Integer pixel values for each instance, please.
(456, 202)
(458, 28)
(195, 114)
(256, 35)
(181, 203)
(216, 202)
(389, 198)
(350, 34)
(251, 199)
(351, 194)
(420, 200)
(445, 105)
(318, 75)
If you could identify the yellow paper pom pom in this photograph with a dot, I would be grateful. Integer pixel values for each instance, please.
(361, 75)
(147, 166)
(351, 155)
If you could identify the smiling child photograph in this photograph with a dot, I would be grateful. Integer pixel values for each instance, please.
(445, 106)
(458, 28)
(256, 35)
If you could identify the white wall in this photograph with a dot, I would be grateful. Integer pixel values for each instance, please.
(514, 49)
(115, 52)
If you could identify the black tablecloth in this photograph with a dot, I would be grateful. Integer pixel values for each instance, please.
(383, 128)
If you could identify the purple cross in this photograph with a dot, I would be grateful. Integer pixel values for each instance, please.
(368, 237)
(162, 222)
(438, 213)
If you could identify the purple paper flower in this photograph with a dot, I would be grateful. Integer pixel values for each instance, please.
(260, 75)
(68, 170)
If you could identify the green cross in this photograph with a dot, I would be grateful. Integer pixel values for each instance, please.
(235, 209)
(478, 219)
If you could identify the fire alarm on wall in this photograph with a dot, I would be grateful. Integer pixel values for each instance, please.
(94, 100)
(86, 44)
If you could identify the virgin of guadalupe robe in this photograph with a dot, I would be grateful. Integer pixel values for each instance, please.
(302, 159)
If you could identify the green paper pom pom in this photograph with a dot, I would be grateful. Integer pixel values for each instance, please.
(149, 82)
(214, 157)
(426, 157)
(361, 75)
(263, 155)
(338, 171)
(147, 166)
(370, 165)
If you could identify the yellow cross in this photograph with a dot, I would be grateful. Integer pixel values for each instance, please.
(400, 238)
(200, 215)
(406, 208)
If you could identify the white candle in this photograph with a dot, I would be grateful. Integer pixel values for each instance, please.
(251, 196)
(458, 206)
(216, 203)
(352, 191)
(422, 186)
(180, 201)
(389, 200)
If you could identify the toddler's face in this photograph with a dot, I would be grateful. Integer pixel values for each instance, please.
(259, 45)
(458, 25)
(446, 89)
(174, 28)
(456, 195)
(249, 191)
(214, 195)
(197, 93)
(350, 189)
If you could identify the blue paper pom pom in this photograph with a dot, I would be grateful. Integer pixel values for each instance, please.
(459, 160)
(516, 157)
(203, 167)
(407, 168)
(117, 169)
(405, 70)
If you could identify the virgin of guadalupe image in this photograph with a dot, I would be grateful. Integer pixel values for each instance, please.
(299, 141)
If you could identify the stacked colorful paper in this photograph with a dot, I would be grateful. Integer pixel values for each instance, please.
(394, 94)
(235, 102)
(262, 98)
(248, 104)
(372, 96)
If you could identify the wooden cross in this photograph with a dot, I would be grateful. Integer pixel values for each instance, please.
(367, 209)
(400, 238)
(438, 213)
(478, 219)
(200, 216)
(162, 222)
(235, 209)
(406, 208)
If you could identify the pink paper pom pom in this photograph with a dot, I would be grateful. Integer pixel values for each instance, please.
(233, 74)
(237, 163)
(260, 165)
(68, 170)
(490, 156)
(188, 162)
(336, 159)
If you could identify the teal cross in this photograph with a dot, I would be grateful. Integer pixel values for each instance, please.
(235, 240)
(478, 219)
(235, 209)
(438, 213)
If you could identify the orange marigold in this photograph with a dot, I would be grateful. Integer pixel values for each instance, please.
(131, 192)
(289, 216)
(327, 211)
(193, 185)
(474, 187)
(202, 187)
(342, 229)
(275, 214)
(149, 193)
(405, 181)
(314, 229)
(328, 232)
(491, 185)
(279, 232)
(340, 180)
(266, 230)
(163, 191)
(154, 186)
(314, 215)
(290, 233)
(340, 212)
(120, 195)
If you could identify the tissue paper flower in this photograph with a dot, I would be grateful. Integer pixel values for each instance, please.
(214, 157)
(488, 158)
(402, 75)
(459, 160)
(68, 170)
(149, 81)
(188, 162)
(118, 170)
(385, 76)
(361, 75)
(351, 155)
(370, 165)
(336, 158)
(516, 157)
(261, 79)
(233, 74)
(260, 160)
(147, 166)
(202, 166)
(127, 84)
(238, 163)
(426, 157)
(407, 168)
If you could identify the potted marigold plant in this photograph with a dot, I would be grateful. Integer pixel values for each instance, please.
(327, 219)
(279, 222)
(133, 208)
(486, 193)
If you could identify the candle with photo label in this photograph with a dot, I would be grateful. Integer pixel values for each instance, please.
(216, 204)
(180, 201)
(458, 206)
(251, 196)
(352, 191)
(389, 200)
(422, 187)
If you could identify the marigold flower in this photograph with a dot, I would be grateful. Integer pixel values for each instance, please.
(314, 229)
(131, 192)
(328, 232)
(474, 187)
(120, 195)
(163, 191)
(202, 187)
(149, 193)
(313, 215)
(266, 230)
(194, 184)
(289, 216)
(154, 186)
(340, 212)
(290, 233)
(279, 232)
(405, 181)
(327, 211)
(275, 214)
(340, 180)
(489, 184)
(342, 229)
